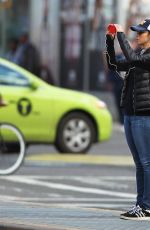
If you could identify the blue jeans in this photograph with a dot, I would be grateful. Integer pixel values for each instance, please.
(137, 130)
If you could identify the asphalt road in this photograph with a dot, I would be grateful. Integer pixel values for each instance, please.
(103, 178)
(115, 146)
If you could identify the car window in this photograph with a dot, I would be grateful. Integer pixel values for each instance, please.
(12, 77)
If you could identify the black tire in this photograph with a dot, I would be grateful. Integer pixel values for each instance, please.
(75, 134)
(12, 147)
(11, 137)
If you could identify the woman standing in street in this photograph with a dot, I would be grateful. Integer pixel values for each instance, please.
(135, 101)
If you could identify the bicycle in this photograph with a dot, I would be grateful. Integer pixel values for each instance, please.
(12, 147)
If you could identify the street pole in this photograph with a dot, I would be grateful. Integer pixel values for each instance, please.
(4, 5)
(3, 30)
(86, 56)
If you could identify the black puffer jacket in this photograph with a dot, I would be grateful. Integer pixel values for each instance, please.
(137, 66)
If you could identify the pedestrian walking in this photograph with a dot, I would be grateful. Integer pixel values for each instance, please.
(135, 101)
(12, 54)
(28, 54)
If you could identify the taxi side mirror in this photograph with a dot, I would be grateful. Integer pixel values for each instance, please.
(34, 85)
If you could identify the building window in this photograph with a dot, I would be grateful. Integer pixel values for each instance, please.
(14, 20)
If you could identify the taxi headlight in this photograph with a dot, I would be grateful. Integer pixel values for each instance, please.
(101, 104)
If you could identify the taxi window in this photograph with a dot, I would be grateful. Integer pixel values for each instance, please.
(12, 78)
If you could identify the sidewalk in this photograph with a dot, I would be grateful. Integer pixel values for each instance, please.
(28, 216)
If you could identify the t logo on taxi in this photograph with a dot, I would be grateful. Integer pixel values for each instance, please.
(24, 106)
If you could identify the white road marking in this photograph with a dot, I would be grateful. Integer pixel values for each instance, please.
(114, 178)
(31, 181)
(100, 180)
(103, 182)
(73, 202)
(65, 199)
(17, 190)
(101, 205)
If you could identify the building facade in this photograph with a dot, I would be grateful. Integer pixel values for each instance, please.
(62, 31)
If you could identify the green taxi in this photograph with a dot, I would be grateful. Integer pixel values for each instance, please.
(70, 120)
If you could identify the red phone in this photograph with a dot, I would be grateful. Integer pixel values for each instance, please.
(112, 29)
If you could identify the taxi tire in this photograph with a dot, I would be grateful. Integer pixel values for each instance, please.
(61, 145)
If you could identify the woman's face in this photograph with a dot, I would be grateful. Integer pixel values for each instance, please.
(143, 39)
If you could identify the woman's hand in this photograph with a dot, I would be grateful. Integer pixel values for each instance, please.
(119, 28)
(110, 34)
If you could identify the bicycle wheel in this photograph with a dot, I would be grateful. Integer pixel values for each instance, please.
(12, 149)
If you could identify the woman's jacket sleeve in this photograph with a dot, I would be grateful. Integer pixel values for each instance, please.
(135, 59)
(113, 63)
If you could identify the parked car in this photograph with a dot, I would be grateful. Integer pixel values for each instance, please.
(69, 119)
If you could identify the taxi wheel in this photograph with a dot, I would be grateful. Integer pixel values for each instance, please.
(76, 133)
